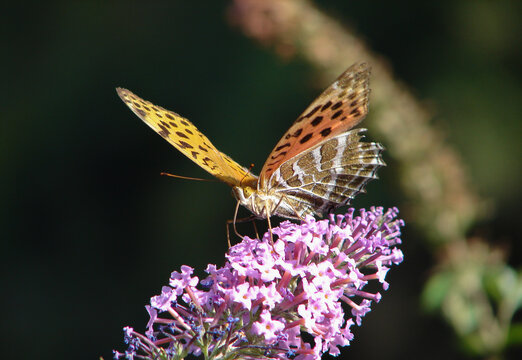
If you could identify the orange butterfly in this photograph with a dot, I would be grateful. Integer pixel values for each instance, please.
(318, 165)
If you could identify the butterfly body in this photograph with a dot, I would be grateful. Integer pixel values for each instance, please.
(318, 165)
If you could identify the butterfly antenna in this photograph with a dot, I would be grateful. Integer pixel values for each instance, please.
(269, 227)
(185, 177)
(248, 172)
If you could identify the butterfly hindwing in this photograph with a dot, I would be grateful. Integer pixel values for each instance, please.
(328, 175)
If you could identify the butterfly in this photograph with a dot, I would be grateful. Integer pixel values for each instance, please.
(319, 164)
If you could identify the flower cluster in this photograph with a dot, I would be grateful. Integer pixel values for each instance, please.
(275, 299)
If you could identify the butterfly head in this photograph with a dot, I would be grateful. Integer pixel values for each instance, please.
(255, 201)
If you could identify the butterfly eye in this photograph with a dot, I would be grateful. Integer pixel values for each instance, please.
(248, 191)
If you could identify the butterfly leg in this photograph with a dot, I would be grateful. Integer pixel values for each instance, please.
(233, 221)
(228, 234)
(295, 210)
(270, 229)
(267, 212)
(251, 218)
(236, 220)
(255, 229)
(292, 206)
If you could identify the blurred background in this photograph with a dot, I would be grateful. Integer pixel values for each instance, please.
(90, 230)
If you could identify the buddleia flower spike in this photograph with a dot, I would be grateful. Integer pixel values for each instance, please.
(280, 301)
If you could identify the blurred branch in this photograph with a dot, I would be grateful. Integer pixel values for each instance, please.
(441, 200)
(432, 175)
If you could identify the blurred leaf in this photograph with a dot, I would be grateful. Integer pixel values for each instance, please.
(436, 290)
(515, 334)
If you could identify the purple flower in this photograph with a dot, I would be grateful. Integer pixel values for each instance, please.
(266, 296)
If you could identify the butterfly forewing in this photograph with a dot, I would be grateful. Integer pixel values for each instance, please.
(339, 108)
(182, 134)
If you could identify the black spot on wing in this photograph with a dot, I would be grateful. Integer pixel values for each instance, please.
(337, 114)
(282, 146)
(208, 162)
(326, 106)
(317, 121)
(164, 132)
(337, 105)
(309, 114)
(305, 138)
(165, 124)
(295, 134)
(181, 135)
(185, 145)
(326, 132)
(355, 112)
(313, 111)
(273, 157)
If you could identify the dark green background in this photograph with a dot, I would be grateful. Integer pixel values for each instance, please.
(90, 230)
